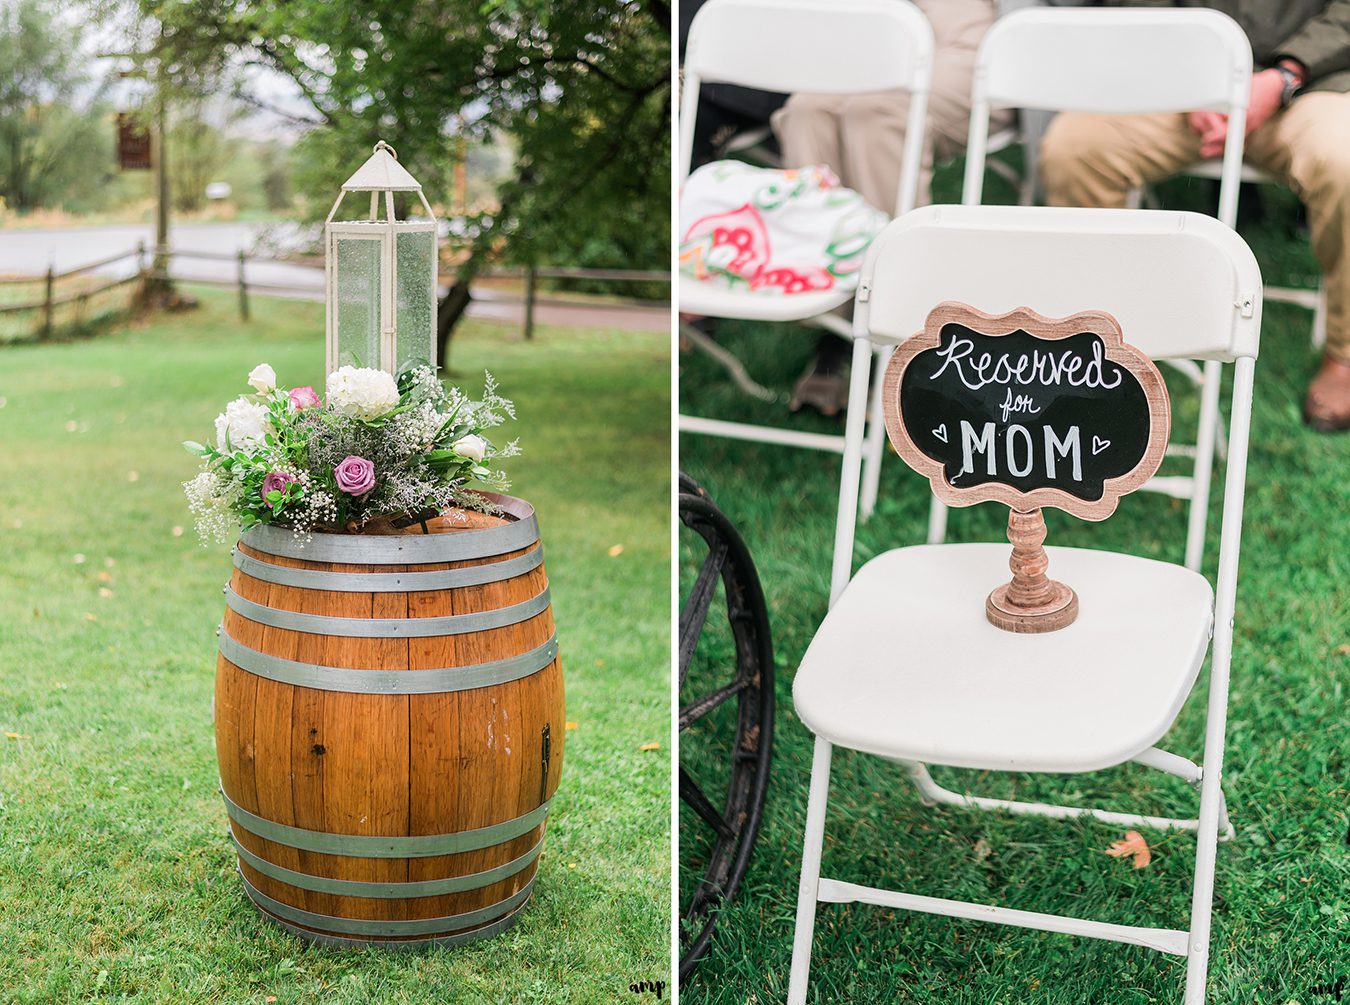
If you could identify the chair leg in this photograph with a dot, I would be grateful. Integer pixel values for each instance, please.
(875, 450)
(1202, 902)
(810, 880)
(1319, 326)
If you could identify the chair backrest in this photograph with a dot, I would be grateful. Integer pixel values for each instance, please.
(1180, 284)
(818, 46)
(1124, 61)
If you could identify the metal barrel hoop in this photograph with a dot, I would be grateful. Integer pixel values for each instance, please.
(364, 926)
(387, 628)
(395, 846)
(388, 582)
(440, 680)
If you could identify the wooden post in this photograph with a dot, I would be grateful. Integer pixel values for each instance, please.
(243, 289)
(47, 305)
(1032, 602)
(529, 302)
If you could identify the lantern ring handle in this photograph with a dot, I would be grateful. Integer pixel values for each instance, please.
(381, 145)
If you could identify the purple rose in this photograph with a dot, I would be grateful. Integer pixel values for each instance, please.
(276, 481)
(355, 475)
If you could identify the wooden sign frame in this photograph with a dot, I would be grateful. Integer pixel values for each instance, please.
(1031, 602)
(1098, 323)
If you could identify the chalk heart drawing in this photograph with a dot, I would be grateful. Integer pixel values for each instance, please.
(1026, 410)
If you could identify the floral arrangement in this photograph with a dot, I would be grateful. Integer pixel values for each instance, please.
(375, 447)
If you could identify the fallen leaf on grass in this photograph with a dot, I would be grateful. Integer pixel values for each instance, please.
(133, 476)
(19, 736)
(615, 551)
(104, 592)
(177, 532)
(571, 725)
(90, 617)
(270, 998)
(1134, 844)
(105, 576)
(650, 746)
(1344, 650)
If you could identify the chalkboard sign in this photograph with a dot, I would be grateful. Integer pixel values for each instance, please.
(1026, 410)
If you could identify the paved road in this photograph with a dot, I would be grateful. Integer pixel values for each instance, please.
(29, 252)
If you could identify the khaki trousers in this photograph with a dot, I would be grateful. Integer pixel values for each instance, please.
(862, 136)
(1095, 160)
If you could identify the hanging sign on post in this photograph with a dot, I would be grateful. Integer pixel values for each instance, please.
(1028, 411)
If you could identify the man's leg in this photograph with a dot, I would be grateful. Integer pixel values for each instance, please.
(1096, 160)
(807, 127)
(1307, 146)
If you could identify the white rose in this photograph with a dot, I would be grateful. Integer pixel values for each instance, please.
(361, 392)
(473, 447)
(263, 379)
(245, 424)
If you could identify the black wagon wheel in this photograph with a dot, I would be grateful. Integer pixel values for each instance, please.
(748, 680)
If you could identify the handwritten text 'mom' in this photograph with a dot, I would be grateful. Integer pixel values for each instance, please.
(1020, 451)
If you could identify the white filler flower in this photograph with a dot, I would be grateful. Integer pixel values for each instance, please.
(361, 392)
(263, 379)
(472, 446)
(244, 422)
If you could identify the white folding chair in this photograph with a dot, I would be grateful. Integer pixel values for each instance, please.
(905, 665)
(1118, 61)
(819, 46)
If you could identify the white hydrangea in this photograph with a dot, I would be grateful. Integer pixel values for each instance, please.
(263, 379)
(245, 423)
(361, 392)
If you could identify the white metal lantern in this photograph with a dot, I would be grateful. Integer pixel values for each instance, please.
(381, 274)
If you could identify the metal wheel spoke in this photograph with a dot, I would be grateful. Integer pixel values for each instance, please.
(693, 796)
(696, 710)
(694, 611)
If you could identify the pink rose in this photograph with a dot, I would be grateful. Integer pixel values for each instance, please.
(355, 475)
(276, 481)
(303, 397)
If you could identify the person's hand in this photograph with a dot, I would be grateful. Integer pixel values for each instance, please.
(1263, 102)
(1212, 128)
(1267, 87)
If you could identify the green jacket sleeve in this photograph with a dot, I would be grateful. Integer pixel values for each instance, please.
(1323, 43)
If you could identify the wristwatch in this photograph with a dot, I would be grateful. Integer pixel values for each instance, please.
(1293, 80)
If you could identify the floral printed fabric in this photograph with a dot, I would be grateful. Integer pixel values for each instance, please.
(774, 232)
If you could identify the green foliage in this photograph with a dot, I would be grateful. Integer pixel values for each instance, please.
(116, 876)
(582, 88)
(55, 142)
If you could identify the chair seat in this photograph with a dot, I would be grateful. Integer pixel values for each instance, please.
(707, 300)
(906, 665)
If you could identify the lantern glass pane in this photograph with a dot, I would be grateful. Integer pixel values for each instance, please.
(358, 302)
(416, 303)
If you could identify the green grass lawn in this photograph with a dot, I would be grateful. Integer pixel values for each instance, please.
(116, 878)
(1282, 902)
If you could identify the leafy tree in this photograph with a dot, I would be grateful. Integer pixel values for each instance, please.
(582, 86)
(197, 153)
(49, 143)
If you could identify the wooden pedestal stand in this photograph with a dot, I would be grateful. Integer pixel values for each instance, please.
(1032, 602)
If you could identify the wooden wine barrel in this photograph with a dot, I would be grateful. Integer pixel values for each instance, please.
(389, 726)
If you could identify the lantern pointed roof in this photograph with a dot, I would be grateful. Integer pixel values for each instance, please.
(382, 172)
